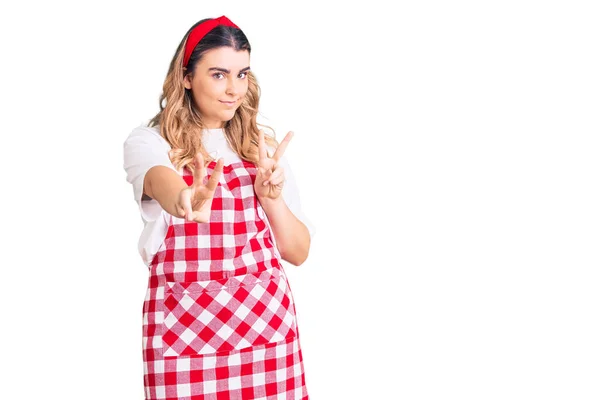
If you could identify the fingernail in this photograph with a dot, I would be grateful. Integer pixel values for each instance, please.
(265, 183)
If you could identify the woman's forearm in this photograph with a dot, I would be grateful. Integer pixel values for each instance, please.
(164, 185)
(291, 235)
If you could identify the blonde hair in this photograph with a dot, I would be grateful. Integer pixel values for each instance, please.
(180, 122)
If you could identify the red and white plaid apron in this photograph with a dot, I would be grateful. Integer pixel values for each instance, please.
(219, 317)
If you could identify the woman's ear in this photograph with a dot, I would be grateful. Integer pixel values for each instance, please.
(187, 81)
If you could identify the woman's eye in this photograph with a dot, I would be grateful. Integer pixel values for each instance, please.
(218, 75)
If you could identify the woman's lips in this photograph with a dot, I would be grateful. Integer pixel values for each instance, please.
(228, 103)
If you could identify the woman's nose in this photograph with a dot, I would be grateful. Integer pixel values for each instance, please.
(232, 87)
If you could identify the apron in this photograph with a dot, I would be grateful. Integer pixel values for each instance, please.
(219, 320)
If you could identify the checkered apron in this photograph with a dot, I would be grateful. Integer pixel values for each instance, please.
(219, 317)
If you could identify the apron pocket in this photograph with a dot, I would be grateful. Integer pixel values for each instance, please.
(230, 314)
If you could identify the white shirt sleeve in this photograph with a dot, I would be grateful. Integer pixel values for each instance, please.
(143, 149)
(291, 196)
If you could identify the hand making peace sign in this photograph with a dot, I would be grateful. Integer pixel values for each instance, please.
(270, 175)
(195, 201)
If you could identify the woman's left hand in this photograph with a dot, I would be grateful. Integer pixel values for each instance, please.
(270, 175)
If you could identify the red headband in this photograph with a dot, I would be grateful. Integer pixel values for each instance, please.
(200, 31)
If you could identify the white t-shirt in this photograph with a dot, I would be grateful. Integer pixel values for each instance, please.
(145, 148)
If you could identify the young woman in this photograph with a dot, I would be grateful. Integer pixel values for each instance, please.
(219, 214)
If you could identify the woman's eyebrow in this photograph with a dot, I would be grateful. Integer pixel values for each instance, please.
(226, 70)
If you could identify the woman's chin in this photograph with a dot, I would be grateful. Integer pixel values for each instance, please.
(228, 116)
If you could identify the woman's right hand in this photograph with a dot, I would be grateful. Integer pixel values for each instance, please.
(195, 201)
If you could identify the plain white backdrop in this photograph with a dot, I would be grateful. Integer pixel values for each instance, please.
(447, 153)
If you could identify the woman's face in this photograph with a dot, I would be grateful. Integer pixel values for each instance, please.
(219, 84)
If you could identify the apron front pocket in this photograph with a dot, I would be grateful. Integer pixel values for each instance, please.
(230, 314)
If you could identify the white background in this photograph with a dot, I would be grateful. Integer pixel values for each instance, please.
(447, 153)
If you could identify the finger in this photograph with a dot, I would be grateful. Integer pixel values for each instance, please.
(180, 211)
(262, 176)
(276, 181)
(187, 204)
(283, 145)
(200, 170)
(215, 176)
(276, 177)
(278, 173)
(262, 148)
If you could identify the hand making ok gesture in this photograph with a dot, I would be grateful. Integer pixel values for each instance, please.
(195, 201)
(270, 175)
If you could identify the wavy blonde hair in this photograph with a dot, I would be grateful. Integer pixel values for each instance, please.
(180, 121)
